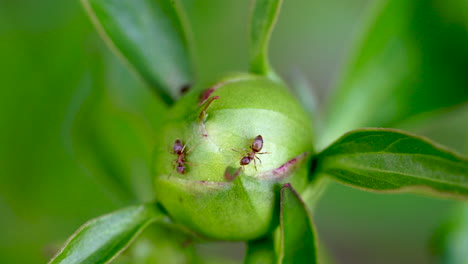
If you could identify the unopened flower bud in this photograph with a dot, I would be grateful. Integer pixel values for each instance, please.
(233, 146)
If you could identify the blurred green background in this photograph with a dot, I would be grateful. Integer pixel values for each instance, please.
(63, 95)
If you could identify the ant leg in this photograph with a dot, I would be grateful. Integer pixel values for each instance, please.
(172, 171)
(240, 150)
(174, 167)
(258, 159)
(255, 164)
(185, 145)
(243, 151)
(263, 152)
(192, 148)
(183, 148)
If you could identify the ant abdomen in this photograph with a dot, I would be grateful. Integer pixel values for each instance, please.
(180, 169)
(257, 144)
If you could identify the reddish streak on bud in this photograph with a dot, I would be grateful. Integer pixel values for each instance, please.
(203, 112)
(285, 169)
(207, 93)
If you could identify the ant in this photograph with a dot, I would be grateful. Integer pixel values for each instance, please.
(255, 148)
(179, 149)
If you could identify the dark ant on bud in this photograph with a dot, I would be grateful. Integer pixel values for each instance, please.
(179, 149)
(255, 148)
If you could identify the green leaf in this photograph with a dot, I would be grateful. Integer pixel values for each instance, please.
(450, 243)
(260, 251)
(390, 160)
(162, 243)
(297, 242)
(150, 36)
(103, 238)
(410, 60)
(112, 106)
(262, 22)
(443, 127)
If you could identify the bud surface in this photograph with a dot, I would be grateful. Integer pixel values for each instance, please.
(214, 195)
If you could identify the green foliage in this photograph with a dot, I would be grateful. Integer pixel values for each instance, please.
(102, 239)
(262, 21)
(44, 50)
(151, 37)
(450, 243)
(214, 136)
(260, 251)
(410, 52)
(389, 160)
(297, 242)
(410, 61)
(115, 107)
(161, 243)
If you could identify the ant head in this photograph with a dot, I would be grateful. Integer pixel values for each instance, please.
(178, 146)
(245, 160)
(257, 143)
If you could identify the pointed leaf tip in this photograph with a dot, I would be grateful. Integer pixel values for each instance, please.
(150, 36)
(102, 239)
(392, 160)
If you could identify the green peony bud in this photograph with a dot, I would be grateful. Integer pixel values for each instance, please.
(199, 177)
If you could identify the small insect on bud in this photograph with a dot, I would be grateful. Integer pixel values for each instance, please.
(255, 147)
(179, 149)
